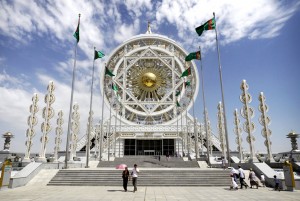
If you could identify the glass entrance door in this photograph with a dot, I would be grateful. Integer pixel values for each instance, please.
(149, 147)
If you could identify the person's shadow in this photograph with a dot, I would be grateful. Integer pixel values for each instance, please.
(114, 190)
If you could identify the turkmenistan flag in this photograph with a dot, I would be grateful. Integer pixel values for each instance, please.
(98, 54)
(209, 25)
(177, 104)
(177, 93)
(108, 72)
(187, 83)
(76, 34)
(193, 55)
(187, 72)
(115, 87)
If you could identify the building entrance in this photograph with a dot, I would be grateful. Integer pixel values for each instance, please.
(149, 147)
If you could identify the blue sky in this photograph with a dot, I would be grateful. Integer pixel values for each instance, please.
(259, 42)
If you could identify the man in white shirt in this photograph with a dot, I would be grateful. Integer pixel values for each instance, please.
(242, 177)
(134, 175)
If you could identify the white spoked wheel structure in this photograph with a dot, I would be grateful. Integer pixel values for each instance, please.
(148, 71)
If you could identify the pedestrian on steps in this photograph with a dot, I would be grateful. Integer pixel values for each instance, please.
(134, 175)
(125, 176)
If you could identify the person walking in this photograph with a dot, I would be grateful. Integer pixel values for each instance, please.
(134, 175)
(234, 173)
(263, 180)
(242, 177)
(252, 178)
(276, 181)
(223, 163)
(125, 176)
(234, 185)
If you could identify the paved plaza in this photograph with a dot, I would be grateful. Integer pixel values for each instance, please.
(106, 193)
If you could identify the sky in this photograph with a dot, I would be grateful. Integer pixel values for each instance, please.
(259, 42)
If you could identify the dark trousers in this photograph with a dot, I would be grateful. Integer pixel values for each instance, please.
(242, 182)
(277, 187)
(134, 183)
(125, 182)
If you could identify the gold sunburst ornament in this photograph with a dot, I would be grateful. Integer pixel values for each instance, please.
(149, 79)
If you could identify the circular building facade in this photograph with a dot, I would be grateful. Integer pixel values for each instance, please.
(148, 97)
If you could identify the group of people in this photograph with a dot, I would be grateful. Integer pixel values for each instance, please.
(127, 176)
(234, 174)
(239, 173)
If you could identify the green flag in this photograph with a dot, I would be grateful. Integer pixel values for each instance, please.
(76, 34)
(209, 25)
(193, 55)
(98, 54)
(187, 83)
(115, 87)
(177, 93)
(108, 72)
(177, 104)
(187, 72)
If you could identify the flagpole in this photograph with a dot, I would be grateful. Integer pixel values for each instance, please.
(120, 131)
(177, 130)
(101, 133)
(204, 107)
(87, 149)
(109, 125)
(182, 134)
(187, 132)
(115, 133)
(195, 129)
(222, 91)
(71, 103)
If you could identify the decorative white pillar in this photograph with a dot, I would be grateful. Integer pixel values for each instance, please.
(74, 130)
(88, 132)
(97, 140)
(58, 132)
(31, 121)
(221, 128)
(238, 131)
(247, 113)
(265, 121)
(48, 113)
(208, 135)
(200, 129)
(210, 144)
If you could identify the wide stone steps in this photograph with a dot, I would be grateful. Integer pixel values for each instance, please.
(160, 177)
(150, 162)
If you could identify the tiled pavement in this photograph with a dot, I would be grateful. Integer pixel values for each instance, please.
(106, 193)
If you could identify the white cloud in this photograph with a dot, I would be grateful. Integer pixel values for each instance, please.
(8, 81)
(2, 60)
(14, 106)
(235, 19)
(138, 6)
(124, 32)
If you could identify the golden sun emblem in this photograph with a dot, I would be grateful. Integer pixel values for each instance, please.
(149, 79)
